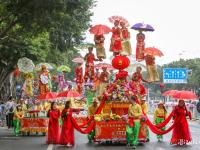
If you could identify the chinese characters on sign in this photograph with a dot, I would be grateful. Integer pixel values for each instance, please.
(175, 75)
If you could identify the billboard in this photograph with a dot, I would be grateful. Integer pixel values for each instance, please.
(175, 75)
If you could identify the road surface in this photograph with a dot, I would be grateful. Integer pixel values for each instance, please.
(9, 142)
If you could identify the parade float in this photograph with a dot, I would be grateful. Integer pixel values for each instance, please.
(111, 123)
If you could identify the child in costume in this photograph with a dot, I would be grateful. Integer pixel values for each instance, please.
(133, 127)
(151, 68)
(99, 44)
(18, 114)
(125, 36)
(116, 45)
(159, 116)
(89, 66)
(79, 77)
(140, 47)
(91, 112)
(104, 80)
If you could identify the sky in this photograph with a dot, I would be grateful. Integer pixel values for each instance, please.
(176, 23)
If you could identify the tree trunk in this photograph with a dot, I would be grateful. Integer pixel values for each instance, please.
(4, 84)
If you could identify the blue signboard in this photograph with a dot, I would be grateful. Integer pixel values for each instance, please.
(175, 75)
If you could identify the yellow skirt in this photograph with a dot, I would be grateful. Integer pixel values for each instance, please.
(102, 88)
(153, 73)
(100, 51)
(126, 48)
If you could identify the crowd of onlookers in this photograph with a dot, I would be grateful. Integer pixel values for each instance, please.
(7, 109)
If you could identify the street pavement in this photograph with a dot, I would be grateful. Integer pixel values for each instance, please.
(9, 142)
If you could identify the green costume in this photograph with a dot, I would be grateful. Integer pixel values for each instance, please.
(132, 133)
(134, 113)
(16, 123)
(158, 121)
(91, 136)
(90, 95)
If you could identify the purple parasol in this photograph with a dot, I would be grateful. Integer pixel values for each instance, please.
(142, 27)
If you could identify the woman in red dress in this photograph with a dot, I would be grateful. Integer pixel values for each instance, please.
(89, 65)
(181, 132)
(67, 133)
(140, 46)
(116, 45)
(54, 129)
(79, 77)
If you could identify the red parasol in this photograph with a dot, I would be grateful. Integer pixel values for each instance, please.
(101, 65)
(153, 51)
(100, 29)
(112, 19)
(187, 95)
(47, 96)
(170, 93)
(78, 60)
(62, 94)
(73, 94)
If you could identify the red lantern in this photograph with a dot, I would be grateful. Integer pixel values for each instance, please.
(162, 85)
(120, 62)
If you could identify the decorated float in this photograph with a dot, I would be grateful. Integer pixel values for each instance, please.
(111, 123)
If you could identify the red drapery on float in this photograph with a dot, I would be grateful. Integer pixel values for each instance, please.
(90, 122)
(164, 123)
(155, 130)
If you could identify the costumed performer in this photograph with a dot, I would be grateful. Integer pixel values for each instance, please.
(125, 36)
(116, 45)
(140, 47)
(104, 80)
(44, 80)
(23, 105)
(181, 132)
(89, 66)
(61, 82)
(133, 126)
(136, 84)
(67, 133)
(18, 114)
(54, 128)
(151, 68)
(99, 44)
(145, 110)
(90, 94)
(91, 112)
(96, 81)
(138, 75)
(160, 114)
(79, 77)
(112, 77)
(28, 84)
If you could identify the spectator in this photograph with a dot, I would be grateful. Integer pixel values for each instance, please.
(9, 106)
(2, 108)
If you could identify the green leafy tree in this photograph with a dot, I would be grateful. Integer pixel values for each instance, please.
(42, 30)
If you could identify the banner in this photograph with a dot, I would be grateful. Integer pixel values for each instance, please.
(34, 124)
